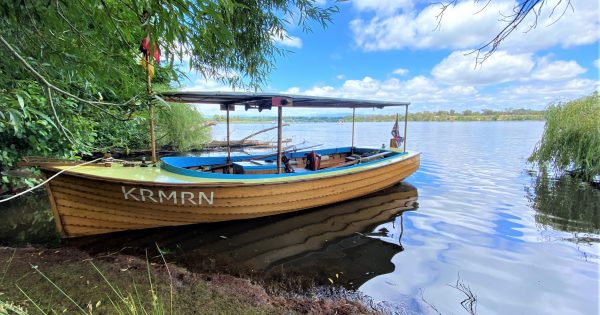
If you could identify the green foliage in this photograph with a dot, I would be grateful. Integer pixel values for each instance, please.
(28, 126)
(92, 45)
(130, 134)
(181, 127)
(84, 54)
(571, 139)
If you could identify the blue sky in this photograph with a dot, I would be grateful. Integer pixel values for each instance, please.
(391, 50)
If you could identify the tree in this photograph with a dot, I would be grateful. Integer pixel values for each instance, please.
(70, 69)
(571, 139)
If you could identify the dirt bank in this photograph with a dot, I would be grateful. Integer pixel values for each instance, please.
(104, 284)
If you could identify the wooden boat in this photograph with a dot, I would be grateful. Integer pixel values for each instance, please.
(109, 196)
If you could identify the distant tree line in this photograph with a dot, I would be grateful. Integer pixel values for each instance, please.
(442, 115)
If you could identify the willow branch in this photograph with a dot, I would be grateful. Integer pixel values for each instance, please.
(62, 128)
(74, 29)
(95, 104)
(112, 21)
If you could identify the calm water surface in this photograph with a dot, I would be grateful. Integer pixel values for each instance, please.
(472, 214)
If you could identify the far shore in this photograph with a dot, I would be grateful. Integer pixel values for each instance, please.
(340, 120)
(467, 115)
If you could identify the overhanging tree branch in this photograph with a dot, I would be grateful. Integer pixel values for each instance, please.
(42, 79)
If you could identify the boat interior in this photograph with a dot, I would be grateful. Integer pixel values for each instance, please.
(292, 161)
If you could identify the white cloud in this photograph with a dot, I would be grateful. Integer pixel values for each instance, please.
(558, 70)
(293, 90)
(597, 63)
(461, 68)
(340, 77)
(548, 92)
(465, 27)
(417, 89)
(426, 94)
(284, 39)
(400, 71)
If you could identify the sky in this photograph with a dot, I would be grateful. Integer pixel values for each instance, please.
(393, 50)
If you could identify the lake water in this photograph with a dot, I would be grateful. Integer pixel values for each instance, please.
(472, 218)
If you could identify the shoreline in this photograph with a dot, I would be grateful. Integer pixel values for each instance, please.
(95, 282)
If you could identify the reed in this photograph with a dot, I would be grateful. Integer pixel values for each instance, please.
(571, 139)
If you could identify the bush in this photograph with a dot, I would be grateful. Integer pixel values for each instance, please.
(571, 139)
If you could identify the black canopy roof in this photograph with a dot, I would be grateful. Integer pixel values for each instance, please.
(236, 98)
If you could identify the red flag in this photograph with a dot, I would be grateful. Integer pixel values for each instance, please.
(145, 49)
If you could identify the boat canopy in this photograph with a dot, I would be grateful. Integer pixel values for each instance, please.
(266, 100)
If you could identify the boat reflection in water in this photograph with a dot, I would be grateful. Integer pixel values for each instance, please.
(345, 244)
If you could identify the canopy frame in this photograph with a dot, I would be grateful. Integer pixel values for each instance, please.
(261, 101)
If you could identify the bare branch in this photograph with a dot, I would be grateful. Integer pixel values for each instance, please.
(429, 304)
(443, 8)
(569, 5)
(521, 11)
(470, 303)
(483, 8)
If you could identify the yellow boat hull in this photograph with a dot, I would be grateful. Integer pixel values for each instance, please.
(86, 202)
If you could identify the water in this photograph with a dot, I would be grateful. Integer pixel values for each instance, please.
(471, 217)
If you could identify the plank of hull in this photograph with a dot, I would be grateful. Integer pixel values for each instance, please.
(86, 206)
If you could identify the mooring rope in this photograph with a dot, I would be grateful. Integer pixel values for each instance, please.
(47, 180)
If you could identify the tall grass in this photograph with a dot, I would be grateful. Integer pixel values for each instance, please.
(122, 302)
(181, 127)
(571, 139)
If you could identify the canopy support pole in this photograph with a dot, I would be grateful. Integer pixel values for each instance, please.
(353, 115)
(405, 126)
(279, 133)
(228, 142)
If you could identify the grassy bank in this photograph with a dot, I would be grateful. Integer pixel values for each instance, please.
(66, 280)
(571, 139)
